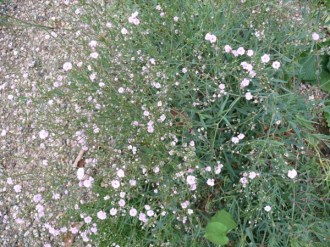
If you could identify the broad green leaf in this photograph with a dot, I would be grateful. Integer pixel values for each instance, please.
(216, 233)
(325, 81)
(308, 69)
(225, 218)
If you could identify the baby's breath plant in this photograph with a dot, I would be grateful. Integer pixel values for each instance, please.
(190, 107)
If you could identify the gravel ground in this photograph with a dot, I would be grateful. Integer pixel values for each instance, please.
(36, 38)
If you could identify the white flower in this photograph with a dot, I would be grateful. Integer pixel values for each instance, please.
(133, 212)
(191, 180)
(121, 203)
(245, 83)
(292, 173)
(150, 213)
(115, 184)
(88, 182)
(101, 215)
(133, 19)
(250, 53)
(235, 140)
(252, 175)
(315, 36)
(124, 31)
(94, 55)
(121, 90)
(235, 53)
(93, 44)
(120, 173)
(184, 70)
(210, 37)
(150, 128)
(43, 134)
(113, 211)
(218, 168)
(249, 68)
(252, 73)
(240, 51)
(18, 188)
(267, 208)
(210, 182)
(276, 65)
(265, 58)
(67, 66)
(243, 181)
(176, 18)
(241, 136)
(248, 96)
(228, 48)
(80, 173)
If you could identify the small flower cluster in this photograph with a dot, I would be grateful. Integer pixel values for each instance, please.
(247, 177)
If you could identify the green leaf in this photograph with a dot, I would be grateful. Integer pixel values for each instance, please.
(326, 112)
(325, 81)
(308, 69)
(225, 218)
(216, 233)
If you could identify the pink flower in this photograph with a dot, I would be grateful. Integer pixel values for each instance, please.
(37, 198)
(88, 182)
(143, 217)
(248, 96)
(276, 65)
(250, 53)
(121, 203)
(94, 55)
(235, 53)
(235, 140)
(121, 173)
(210, 182)
(228, 48)
(88, 219)
(210, 37)
(101, 215)
(115, 184)
(74, 230)
(133, 212)
(67, 66)
(315, 36)
(240, 51)
(245, 83)
(133, 19)
(18, 188)
(43, 134)
(265, 58)
(113, 211)
(241, 136)
(10, 181)
(191, 180)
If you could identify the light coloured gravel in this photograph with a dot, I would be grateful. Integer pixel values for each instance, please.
(36, 38)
